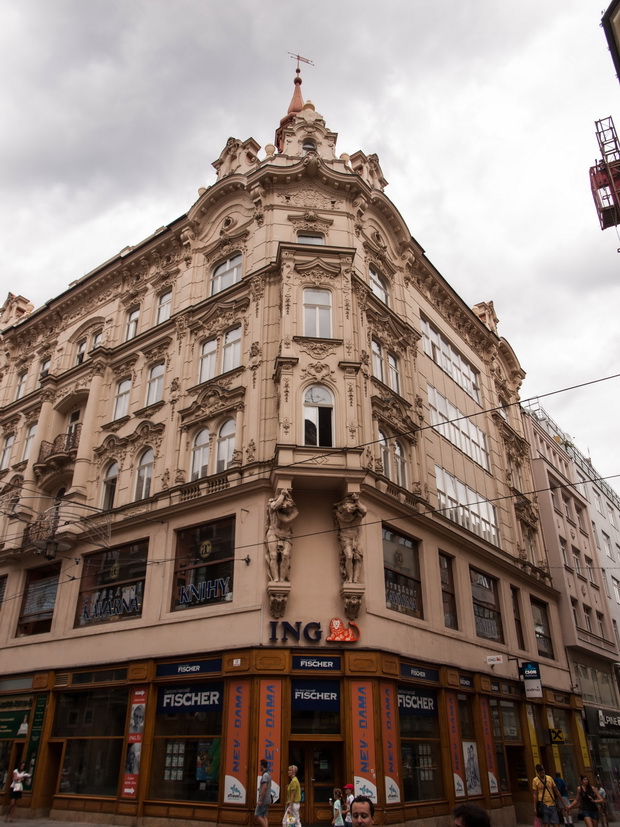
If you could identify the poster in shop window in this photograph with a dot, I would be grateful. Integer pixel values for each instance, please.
(472, 771)
(133, 752)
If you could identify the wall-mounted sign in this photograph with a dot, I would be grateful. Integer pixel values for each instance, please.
(237, 743)
(363, 739)
(421, 673)
(192, 667)
(531, 680)
(197, 697)
(316, 695)
(312, 632)
(311, 663)
(134, 743)
(389, 737)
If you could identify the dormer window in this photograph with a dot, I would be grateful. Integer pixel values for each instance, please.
(310, 238)
(308, 146)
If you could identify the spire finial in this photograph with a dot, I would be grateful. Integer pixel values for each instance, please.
(297, 102)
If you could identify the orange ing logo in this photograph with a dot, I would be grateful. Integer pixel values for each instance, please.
(338, 632)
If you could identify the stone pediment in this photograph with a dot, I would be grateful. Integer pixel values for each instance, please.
(213, 399)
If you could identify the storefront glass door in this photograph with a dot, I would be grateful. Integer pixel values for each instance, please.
(320, 770)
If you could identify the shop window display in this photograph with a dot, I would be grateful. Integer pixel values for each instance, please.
(187, 743)
(92, 725)
(112, 585)
(420, 744)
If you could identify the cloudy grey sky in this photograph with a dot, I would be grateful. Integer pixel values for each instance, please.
(481, 111)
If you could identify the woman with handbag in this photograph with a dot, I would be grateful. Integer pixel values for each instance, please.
(588, 800)
(293, 800)
(17, 786)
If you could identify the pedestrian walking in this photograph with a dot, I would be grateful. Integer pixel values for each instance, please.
(17, 786)
(264, 795)
(548, 802)
(588, 800)
(293, 799)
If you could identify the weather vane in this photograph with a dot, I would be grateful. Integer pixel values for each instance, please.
(300, 58)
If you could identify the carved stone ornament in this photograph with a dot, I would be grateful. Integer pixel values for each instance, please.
(352, 594)
(278, 593)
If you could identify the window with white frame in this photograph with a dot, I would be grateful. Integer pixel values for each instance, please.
(226, 274)
(563, 551)
(385, 366)
(225, 445)
(5, 455)
(468, 508)
(487, 613)
(607, 544)
(577, 560)
(110, 481)
(611, 515)
(318, 416)
(232, 349)
(378, 285)
(616, 587)
(580, 521)
(131, 325)
(200, 454)
(317, 313)
(46, 365)
(450, 360)
(144, 478)
(80, 351)
(542, 630)
(97, 339)
(22, 378)
(600, 622)
(121, 400)
(164, 306)
(393, 459)
(589, 570)
(457, 428)
(155, 385)
(595, 532)
(587, 617)
(448, 590)
(30, 435)
(598, 502)
(213, 362)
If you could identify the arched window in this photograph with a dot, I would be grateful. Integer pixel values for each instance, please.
(109, 486)
(226, 274)
(131, 324)
(155, 385)
(225, 445)
(200, 454)
(318, 416)
(378, 286)
(121, 400)
(145, 474)
(317, 313)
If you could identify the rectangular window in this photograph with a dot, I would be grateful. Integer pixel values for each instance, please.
(92, 725)
(2, 589)
(516, 611)
(204, 565)
(563, 551)
(112, 585)
(164, 306)
(457, 428)
(450, 360)
(580, 520)
(607, 544)
(598, 502)
(487, 615)
(21, 384)
(39, 600)
(601, 624)
(131, 327)
(468, 508)
(589, 570)
(187, 743)
(541, 629)
(80, 352)
(420, 744)
(401, 567)
(448, 597)
(5, 454)
(587, 616)
(595, 532)
(576, 560)
(317, 313)
(611, 515)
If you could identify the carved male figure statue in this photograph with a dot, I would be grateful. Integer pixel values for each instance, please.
(349, 514)
(281, 512)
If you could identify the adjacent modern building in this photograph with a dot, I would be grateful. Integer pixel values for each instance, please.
(580, 520)
(267, 492)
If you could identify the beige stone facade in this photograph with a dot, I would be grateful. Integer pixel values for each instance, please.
(265, 492)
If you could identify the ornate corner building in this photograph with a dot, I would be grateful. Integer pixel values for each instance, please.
(267, 492)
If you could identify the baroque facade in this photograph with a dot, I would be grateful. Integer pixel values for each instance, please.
(266, 492)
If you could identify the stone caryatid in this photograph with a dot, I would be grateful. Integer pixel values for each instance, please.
(348, 515)
(281, 512)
